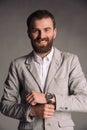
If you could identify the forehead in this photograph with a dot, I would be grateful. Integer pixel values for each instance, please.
(44, 22)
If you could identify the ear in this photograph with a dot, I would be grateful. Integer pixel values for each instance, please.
(55, 32)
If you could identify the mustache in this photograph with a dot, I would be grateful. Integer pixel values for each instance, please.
(41, 39)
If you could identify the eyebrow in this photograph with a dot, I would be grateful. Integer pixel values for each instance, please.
(43, 28)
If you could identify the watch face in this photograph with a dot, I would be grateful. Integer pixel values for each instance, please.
(49, 97)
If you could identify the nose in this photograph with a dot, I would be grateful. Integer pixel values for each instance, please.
(41, 34)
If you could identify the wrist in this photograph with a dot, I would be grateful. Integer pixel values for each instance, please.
(50, 98)
(32, 112)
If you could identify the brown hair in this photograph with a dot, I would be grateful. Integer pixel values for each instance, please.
(39, 14)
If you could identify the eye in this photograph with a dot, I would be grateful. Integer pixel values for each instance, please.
(47, 29)
(34, 30)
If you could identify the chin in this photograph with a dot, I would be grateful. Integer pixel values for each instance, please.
(42, 44)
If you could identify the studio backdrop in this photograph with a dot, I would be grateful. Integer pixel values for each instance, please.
(71, 22)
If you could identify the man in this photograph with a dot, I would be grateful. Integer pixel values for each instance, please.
(50, 83)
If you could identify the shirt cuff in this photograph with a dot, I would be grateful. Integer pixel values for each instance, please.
(29, 118)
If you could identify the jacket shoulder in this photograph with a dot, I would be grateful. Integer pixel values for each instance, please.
(66, 57)
(68, 54)
(21, 60)
(64, 54)
(70, 58)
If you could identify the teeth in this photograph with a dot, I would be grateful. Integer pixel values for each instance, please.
(42, 41)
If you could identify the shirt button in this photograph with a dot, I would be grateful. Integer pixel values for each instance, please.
(47, 59)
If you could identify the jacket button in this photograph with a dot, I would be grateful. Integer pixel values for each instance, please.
(66, 108)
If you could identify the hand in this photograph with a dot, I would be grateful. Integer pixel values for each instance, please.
(42, 111)
(35, 97)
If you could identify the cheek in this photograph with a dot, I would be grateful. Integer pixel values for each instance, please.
(52, 35)
(34, 36)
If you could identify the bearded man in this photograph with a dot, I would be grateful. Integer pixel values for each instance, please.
(49, 82)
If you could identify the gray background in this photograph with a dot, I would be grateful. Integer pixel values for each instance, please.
(71, 17)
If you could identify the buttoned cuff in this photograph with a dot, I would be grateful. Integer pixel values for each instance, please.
(60, 103)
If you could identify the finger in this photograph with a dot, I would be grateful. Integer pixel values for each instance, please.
(29, 94)
(31, 100)
(50, 106)
(29, 97)
(49, 111)
(33, 103)
(47, 115)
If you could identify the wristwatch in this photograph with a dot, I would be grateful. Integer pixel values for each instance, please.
(49, 97)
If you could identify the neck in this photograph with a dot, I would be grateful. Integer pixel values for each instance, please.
(42, 55)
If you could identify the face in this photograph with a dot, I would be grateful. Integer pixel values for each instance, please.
(42, 34)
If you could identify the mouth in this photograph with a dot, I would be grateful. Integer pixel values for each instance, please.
(41, 41)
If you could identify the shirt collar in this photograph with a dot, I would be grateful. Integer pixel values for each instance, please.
(48, 58)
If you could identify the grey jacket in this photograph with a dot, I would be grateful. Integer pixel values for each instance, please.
(65, 79)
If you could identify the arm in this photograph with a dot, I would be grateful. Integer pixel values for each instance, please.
(10, 105)
(77, 99)
(42, 111)
(40, 106)
(36, 97)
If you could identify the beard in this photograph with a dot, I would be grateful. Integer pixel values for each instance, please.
(42, 48)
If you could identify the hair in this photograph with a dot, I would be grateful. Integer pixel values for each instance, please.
(39, 14)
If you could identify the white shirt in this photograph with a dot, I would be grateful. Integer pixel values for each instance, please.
(42, 66)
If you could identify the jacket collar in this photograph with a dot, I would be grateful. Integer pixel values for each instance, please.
(55, 64)
(56, 56)
(32, 69)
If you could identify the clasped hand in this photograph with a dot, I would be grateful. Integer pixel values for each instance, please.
(42, 110)
(35, 97)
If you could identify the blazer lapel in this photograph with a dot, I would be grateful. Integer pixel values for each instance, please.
(32, 69)
(56, 61)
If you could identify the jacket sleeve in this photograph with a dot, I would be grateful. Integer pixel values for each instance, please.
(10, 104)
(76, 100)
